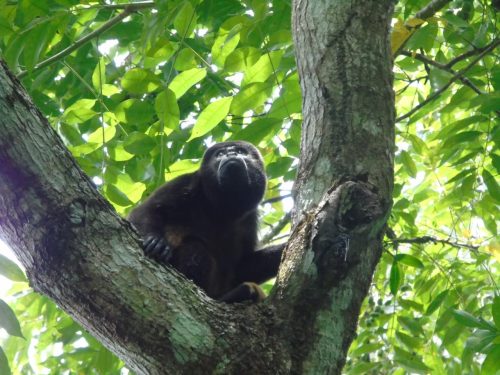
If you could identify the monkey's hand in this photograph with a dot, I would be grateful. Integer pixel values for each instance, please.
(157, 248)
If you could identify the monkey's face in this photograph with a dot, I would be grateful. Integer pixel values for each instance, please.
(233, 173)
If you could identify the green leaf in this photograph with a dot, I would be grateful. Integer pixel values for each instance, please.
(99, 75)
(491, 364)
(467, 136)
(241, 58)
(184, 81)
(167, 109)
(408, 260)
(411, 324)
(409, 164)
(363, 368)
(495, 311)
(263, 68)
(140, 81)
(467, 319)
(366, 348)
(185, 21)
(289, 102)
(4, 363)
(491, 184)
(436, 302)
(181, 167)
(225, 44)
(138, 143)
(186, 59)
(8, 320)
(116, 196)
(411, 362)
(395, 278)
(412, 343)
(134, 112)
(99, 136)
(10, 269)
(80, 111)
(208, 119)
(251, 97)
(424, 37)
(258, 130)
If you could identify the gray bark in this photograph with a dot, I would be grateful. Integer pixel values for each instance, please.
(87, 259)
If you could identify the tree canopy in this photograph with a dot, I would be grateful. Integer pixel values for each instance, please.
(138, 90)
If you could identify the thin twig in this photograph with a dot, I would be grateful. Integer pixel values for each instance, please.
(453, 79)
(137, 5)
(430, 9)
(276, 229)
(276, 199)
(426, 60)
(429, 239)
(470, 53)
(65, 52)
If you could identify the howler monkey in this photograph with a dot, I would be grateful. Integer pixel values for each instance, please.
(205, 224)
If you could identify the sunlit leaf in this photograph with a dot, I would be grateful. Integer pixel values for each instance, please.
(214, 113)
(187, 79)
(408, 260)
(167, 109)
(185, 21)
(140, 81)
(263, 68)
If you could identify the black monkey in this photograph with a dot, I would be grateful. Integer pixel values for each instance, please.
(205, 224)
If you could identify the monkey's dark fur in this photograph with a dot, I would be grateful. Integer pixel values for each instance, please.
(205, 224)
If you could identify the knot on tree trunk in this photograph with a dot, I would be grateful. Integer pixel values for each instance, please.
(344, 217)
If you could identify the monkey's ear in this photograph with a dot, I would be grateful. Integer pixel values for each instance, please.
(244, 292)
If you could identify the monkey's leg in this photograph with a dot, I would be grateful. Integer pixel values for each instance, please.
(244, 292)
(194, 261)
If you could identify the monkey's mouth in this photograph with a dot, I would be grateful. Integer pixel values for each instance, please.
(233, 170)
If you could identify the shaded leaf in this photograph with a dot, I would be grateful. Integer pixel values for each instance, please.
(138, 143)
(8, 320)
(4, 363)
(10, 269)
(395, 278)
(436, 302)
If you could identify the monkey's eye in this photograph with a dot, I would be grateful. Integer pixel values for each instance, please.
(241, 151)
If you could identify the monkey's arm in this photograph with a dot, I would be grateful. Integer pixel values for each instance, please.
(165, 206)
(261, 265)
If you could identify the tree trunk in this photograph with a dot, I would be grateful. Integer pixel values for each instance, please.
(80, 253)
